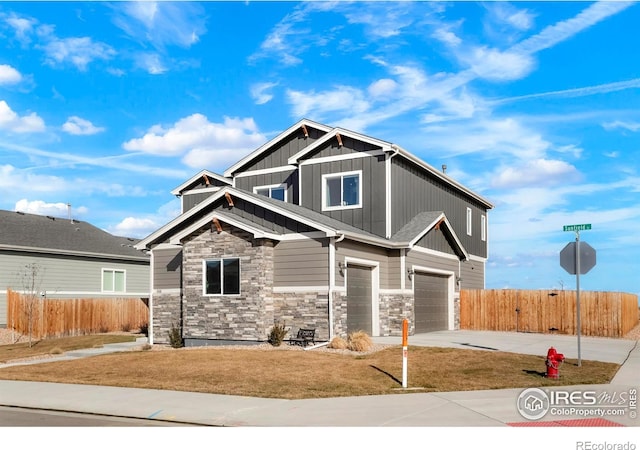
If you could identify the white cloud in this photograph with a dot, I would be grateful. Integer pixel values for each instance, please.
(13, 180)
(22, 27)
(135, 227)
(199, 140)
(505, 13)
(631, 126)
(342, 98)
(49, 209)
(78, 126)
(260, 92)
(496, 65)
(9, 75)
(538, 172)
(382, 88)
(11, 121)
(78, 51)
(151, 62)
(162, 23)
(448, 37)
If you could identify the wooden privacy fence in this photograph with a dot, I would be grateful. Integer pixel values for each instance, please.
(606, 314)
(71, 317)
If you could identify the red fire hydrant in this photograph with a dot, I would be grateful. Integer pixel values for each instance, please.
(554, 359)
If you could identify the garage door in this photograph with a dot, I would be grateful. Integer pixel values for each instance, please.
(431, 298)
(358, 298)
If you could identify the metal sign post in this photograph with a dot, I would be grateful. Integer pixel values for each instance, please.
(405, 333)
(571, 260)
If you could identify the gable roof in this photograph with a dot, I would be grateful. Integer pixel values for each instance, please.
(385, 146)
(424, 222)
(197, 177)
(46, 234)
(200, 215)
(265, 147)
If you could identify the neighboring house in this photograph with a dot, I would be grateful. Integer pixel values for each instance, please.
(319, 227)
(75, 259)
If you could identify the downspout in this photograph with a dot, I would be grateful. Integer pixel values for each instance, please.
(332, 279)
(151, 283)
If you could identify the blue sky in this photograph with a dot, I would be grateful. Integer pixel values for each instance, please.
(534, 105)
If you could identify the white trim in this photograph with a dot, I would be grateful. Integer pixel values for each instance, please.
(318, 126)
(444, 220)
(386, 146)
(203, 190)
(151, 292)
(98, 294)
(469, 219)
(403, 268)
(451, 275)
(52, 251)
(167, 291)
(355, 155)
(251, 173)
(204, 277)
(478, 258)
(429, 251)
(326, 176)
(165, 246)
(387, 195)
(395, 291)
(483, 227)
(283, 186)
(300, 289)
(208, 173)
(375, 288)
(332, 282)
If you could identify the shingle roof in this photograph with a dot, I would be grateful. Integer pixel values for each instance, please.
(416, 226)
(57, 235)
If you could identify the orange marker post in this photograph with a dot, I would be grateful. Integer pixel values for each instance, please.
(405, 351)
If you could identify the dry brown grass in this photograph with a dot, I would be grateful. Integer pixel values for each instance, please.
(58, 346)
(311, 374)
(359, 341)
(338, 343)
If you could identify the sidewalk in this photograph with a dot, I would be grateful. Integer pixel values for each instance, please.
(492, 408)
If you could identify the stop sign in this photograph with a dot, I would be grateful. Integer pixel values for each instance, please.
(568, 258)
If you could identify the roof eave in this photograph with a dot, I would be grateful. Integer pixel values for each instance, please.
(55, 251)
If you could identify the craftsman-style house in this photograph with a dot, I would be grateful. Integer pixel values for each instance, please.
(320, 227)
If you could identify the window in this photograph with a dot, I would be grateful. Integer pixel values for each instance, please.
(277, 191)
(113, 280)
(469, 222)
(342, 191)
(483, 227)
(221, 276)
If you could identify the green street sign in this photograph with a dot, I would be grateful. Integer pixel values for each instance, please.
(581, 227)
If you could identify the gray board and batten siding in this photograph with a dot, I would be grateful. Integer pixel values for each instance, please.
(388, 262)
(371, 216)
(279, 154)
(428, 193)
(288, 178)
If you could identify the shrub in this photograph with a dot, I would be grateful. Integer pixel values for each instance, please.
(277, 334)
(359, 341)
(126, 327)
(56, 351)
(144, 329)
(102, 328)
(175, 337)
(146, 347)
(338, 343)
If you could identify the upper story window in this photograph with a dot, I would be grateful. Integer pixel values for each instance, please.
(113, 280)
(221, 276)
(277, 191)
(342, 190)
(469, 221)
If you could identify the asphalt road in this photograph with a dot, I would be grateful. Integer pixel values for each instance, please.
(21, 417)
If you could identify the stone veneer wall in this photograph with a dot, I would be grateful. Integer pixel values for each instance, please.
(393, 309)
(248, 316)
(303, 310)
(166, 313)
